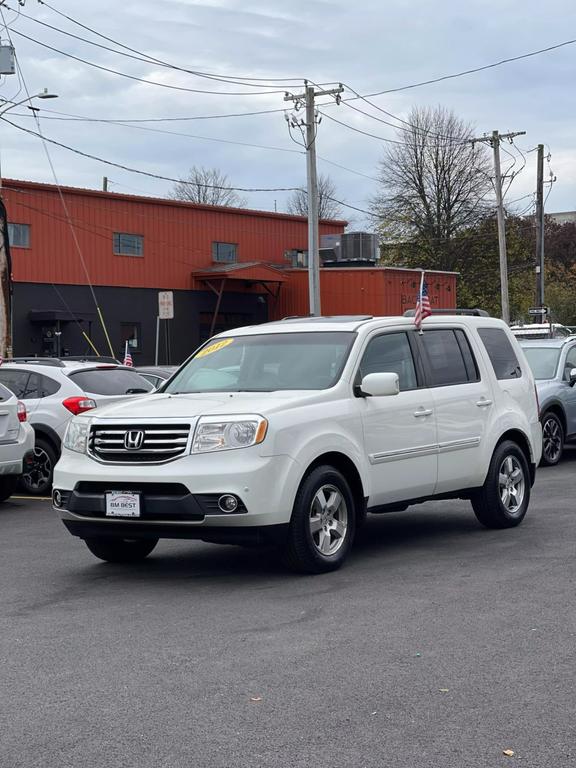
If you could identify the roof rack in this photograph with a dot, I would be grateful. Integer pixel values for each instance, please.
(55, 362)
(471, 312)
(92, 359)
(326, 318)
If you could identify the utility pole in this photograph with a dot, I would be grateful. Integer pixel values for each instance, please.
(494, 142)
(540, 227)
(311, 122)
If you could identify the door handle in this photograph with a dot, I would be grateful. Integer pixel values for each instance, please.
(423, 412)
(484, 403)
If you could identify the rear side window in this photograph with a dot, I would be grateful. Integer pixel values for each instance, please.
(16, 381)
(449, 359)
(5, 393)
(110, 381)
(501, 353)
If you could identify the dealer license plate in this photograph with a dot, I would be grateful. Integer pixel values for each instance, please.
(122, 504)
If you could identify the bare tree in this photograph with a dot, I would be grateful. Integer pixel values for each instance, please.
(433, 184)
(207, 186)
(328, 208)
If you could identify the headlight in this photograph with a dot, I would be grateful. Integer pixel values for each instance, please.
(213, 434)
(76, 436)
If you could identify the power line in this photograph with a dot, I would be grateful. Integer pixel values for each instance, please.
(359, 130)
(142, 79)
(154, 60)
(472, 71)
(140, 171)
(139, 56)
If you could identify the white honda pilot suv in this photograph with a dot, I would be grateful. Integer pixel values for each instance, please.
(289, 433)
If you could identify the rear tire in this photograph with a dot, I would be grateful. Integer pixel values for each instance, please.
(323, 523)
(503, 500)
(552, 439)
(8, 485)
(37, 477)
(120, 550)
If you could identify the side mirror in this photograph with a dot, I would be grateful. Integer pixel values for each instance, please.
(572, 377)
(382, 384)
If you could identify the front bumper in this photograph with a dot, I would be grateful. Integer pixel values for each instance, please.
(178, 499)
(12, 454)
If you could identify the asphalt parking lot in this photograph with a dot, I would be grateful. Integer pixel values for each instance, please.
(439, 644)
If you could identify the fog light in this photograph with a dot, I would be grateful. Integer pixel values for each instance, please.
(56, 498)
(228, 503)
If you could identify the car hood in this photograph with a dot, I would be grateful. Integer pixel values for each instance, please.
(164, 406)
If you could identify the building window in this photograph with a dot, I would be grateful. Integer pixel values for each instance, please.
(128, 245)
(226, 252)
(131, 333)
(19, 235)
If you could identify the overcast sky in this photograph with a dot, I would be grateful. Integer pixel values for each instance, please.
(370, 45)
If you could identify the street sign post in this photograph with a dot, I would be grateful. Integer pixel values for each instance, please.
(165, 305)
(165, 312)
(538, 311)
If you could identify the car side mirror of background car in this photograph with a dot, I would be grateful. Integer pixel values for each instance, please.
(572, 377)
(380, 384)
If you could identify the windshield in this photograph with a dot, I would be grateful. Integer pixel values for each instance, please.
(266, 363)
(543, 361)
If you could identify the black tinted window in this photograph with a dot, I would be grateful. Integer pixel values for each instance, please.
(501, 353)
(445, 364)
(49, 386)
(15, 381)
(390, 353)
(5, 393)
(110, 381)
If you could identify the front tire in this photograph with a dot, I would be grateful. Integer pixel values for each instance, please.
(323, 523)
(37, 478)
(552, 439)
(120, 550)
(503, 500)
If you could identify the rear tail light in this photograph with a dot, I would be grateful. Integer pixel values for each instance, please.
(21, 411)
(78, 405)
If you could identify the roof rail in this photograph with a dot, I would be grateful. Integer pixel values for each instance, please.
(52, 361)
(472, 312)
(92, 359)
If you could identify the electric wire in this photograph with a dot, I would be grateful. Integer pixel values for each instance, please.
(139, 170)
(160, 61)
(138, 56)
(141, 79)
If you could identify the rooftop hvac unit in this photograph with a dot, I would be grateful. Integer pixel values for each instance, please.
(359, 246)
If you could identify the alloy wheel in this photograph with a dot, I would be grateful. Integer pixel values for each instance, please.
(39, 475)
(552, 440)
(511, 485)
(328, 520)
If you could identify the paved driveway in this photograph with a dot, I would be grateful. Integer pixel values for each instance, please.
(439, 644)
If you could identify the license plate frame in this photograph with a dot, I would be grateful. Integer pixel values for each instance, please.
(125, 504)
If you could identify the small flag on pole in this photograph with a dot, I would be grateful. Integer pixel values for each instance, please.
(127, 356)
(423, 308)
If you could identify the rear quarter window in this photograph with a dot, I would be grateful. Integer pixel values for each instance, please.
(501, 353)
(110, 381)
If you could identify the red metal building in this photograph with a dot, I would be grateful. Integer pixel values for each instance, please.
(74, 250)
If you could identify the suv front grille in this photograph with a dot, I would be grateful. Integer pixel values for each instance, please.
(138, 443)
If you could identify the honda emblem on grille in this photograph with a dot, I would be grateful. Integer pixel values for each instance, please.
(133, 440)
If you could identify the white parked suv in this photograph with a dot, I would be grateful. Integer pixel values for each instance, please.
(290, 432)
(53, 391)
(16, 442)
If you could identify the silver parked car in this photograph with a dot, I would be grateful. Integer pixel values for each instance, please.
(553, 363)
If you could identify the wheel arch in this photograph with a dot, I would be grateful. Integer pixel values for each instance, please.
(348, 468)
(557, 409)
(50, 435)
(518, 437)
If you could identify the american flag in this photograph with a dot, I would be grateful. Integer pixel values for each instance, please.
(127, 356)
(422, 304)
